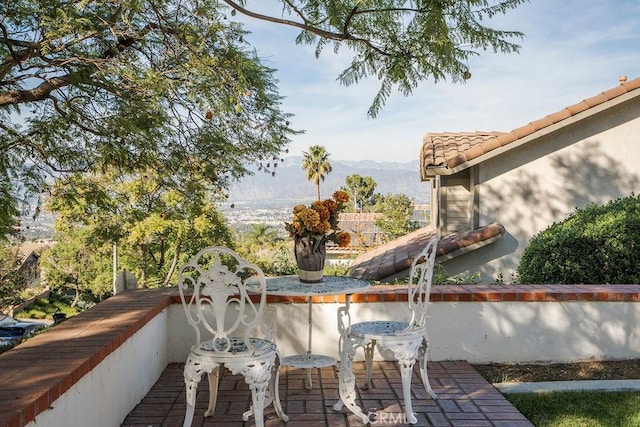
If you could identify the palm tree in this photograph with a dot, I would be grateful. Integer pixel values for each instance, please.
(316, 165)
(260, 235)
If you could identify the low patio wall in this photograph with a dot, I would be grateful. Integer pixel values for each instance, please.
(91, 369)
(477, 323)
(119, 382)
(519, 332)
(29, 302)
(99, 364)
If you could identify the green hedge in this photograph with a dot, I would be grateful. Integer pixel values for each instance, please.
(597, 244)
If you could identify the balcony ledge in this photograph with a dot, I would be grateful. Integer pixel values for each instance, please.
(39, 371)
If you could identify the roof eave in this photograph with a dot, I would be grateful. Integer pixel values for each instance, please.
(432, 171)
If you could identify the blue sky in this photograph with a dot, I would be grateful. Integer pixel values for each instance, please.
(573, 49)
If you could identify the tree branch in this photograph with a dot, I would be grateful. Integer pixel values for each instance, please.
(305, 26)
(344, 36)
(38, 93)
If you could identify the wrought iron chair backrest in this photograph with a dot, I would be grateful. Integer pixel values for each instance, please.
(420, 280)
(214, 295)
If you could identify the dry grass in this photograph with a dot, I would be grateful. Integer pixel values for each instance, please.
(594, 370)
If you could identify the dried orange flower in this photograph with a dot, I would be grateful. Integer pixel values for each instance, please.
(341, 196)
(320, 220)
(343, 239)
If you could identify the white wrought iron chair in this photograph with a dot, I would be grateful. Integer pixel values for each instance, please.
(408, 341)
(230, 329)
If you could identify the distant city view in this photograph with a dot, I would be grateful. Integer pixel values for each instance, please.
(263, 198)
(242, 214)
(40, 228)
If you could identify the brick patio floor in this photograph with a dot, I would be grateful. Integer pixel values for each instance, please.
(465, 398)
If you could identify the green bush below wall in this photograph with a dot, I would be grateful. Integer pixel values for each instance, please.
(595, 245)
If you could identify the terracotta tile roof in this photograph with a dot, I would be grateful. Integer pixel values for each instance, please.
(362, 227)
(451, 149)
(396, 256)
(390, 258)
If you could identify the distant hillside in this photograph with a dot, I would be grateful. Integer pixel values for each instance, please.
(289, 181)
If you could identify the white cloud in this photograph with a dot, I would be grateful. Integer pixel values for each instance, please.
(572, 50)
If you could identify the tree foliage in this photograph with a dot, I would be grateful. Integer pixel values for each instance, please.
(80, 264)
(171, 85)
(316, 165)
(258, 238)
(360, 190)
(594, 245)
(155, 225)
(399, 42)
(12, 279)
(397, 210)
(262, 245)
(9, 222)
(139, 85)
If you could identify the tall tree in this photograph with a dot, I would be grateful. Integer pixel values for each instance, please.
(315, 163)
(360, 189)
(171, 85)
(136, 85)
(155, 225)
(396, 219)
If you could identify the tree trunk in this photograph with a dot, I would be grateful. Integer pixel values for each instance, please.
(76, 299)
(174, 263)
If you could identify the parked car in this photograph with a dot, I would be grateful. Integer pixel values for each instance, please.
(13, 331)
(10, 336)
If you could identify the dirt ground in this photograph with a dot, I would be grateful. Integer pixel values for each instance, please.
(601, 370)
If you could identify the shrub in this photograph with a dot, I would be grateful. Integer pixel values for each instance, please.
(597, 244)
(42, 302)
(442, 277)
(45, 308)
(33, 314)
(339, 269)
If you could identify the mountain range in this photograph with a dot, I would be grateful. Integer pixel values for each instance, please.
(289, 181)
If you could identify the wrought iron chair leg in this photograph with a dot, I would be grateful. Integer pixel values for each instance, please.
(214, 376)
(192, 377)
(406, 370)
(347, 382)
(275, 387)
(424, 375)
(368, 362)
(188, 416)
(257, 396)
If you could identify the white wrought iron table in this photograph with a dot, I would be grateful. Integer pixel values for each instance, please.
(330, 285)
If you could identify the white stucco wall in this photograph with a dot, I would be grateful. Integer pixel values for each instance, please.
(106, 395)
(479, 332)
(528, 188)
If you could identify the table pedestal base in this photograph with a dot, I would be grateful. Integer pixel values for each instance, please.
(308, 361)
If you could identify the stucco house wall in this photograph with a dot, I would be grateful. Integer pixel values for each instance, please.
(592, 157)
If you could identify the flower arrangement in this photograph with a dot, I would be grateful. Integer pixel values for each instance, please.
(319, 221)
